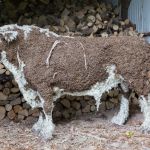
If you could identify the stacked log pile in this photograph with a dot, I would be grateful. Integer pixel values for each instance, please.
(69, 107)
(12, 104)
(73, 107)
(102, 20)
(95, 19)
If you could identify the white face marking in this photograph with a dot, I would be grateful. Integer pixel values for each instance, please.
(9, 36)
(27, 29)
(11, 29)
(4, 30)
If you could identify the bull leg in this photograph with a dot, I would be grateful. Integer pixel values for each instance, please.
(44, 126)
(123, 113)
(145, 108)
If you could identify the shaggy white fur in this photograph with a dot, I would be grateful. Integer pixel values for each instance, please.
(10, 28)
(145, 108)
(10, 36)
(123, 113)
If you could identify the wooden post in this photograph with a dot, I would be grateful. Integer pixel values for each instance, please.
(124, 8)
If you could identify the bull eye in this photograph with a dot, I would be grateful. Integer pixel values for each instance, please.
(54, 94)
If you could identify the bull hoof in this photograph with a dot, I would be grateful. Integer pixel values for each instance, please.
(145, 127)
(117, 120)
(44, 127)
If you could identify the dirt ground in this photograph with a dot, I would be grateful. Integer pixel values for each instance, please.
(88, 133)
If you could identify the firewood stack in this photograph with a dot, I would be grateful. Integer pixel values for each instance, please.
(95, 19)
(98, 19)
(12, 104)
(102, 20)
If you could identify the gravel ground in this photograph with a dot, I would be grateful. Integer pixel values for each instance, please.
(90, 133)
